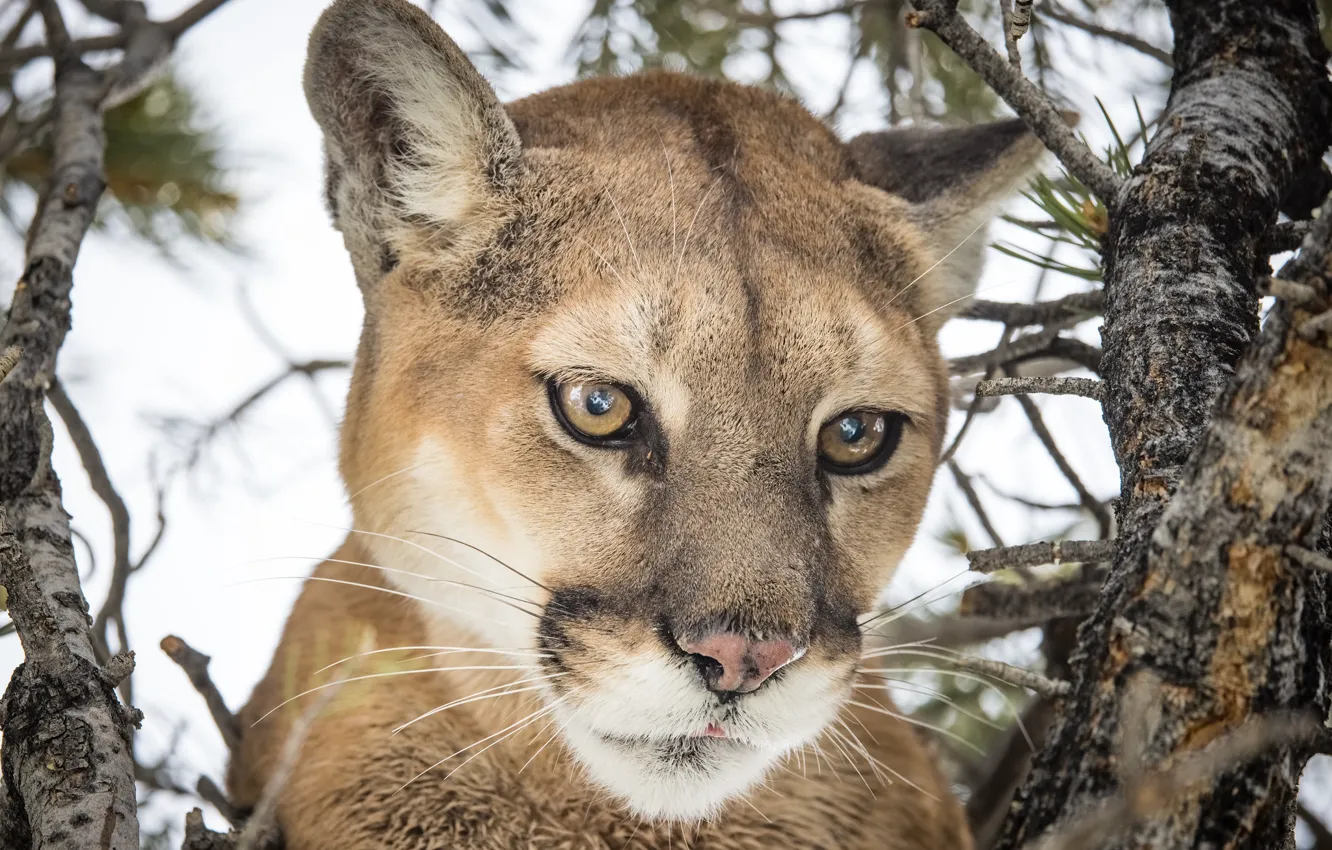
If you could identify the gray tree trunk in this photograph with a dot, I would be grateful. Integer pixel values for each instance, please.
(1201, 596)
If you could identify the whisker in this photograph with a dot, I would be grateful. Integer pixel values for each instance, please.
(411, 543)
(379, 481)
(603, 259)
(948, 733)
(479, 550)
(938, 262)
(553, 736)
(625, 226)
(951, 303)
(835, 735)
(395, 570)
(532, 652)
(442, 606)
(386, 675)
(897, 608)
(516, 726)
(933, 693)
(960, 674)
(488, 693)
(857, 745)
(679, 260)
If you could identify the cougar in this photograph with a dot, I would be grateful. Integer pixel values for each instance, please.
(644, 414)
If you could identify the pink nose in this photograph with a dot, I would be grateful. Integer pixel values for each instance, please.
(736, 663)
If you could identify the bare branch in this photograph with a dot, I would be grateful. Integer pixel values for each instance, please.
(1286, 236)
(195, 665)
(1085, 387)
(1042, 344)
(1078, 306)
(1055, 13)
(1018, 676)
(1309, 558)
(1036, 601)
(964, 484)
(1297, 294)
(1093, 505)
(173, 28)
(91, 456)
(1036, 554)
(1320, 324)
(1048, 123)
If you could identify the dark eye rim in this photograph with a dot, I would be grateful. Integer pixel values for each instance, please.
(626, 435)
(896, 423)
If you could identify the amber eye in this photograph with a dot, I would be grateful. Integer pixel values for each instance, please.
(859, 441)
(595, 413)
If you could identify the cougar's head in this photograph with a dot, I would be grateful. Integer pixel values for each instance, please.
(660, 352)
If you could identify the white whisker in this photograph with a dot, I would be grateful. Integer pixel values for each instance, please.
(386, 675)
(962, 674)
(535, 653)
(905, 718)
(625, 226)
(938, 262)
(488, 693)
(679, 260)
(379, 481)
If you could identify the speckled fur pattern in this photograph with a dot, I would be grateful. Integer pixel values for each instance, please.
(750, 276)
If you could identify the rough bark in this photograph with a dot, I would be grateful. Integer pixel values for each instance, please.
(68, 768)
(1199, 594)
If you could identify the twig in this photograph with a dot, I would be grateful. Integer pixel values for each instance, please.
(1299, 294)
(1309, 558)
(942, 18)
(1021, 18)
(195, 665)
(1018, 676)
(307, 368)
(1085, 387)
(1079, 305)
(91, 457)
(1055, 13)
(200, 837)
(210, 793)
(1036, 554)
(1090, 502)
(1037, 601)
(964, 484)
(1011, 33)
(173, 28)
(1045, 343)
(9, 358)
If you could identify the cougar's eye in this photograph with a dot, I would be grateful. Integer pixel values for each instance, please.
(595, 413)
(859, 441)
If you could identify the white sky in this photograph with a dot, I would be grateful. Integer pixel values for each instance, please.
(153, 340)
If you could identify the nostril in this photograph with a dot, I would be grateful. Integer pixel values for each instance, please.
(730, 662)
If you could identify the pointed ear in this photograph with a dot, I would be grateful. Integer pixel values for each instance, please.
(955, 180)
(420, 155)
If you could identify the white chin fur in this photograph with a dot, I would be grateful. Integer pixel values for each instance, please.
(637, 733)
(688, 780)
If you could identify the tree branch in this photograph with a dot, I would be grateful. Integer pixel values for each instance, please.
(1085, 387)
(1048, 123)
(195, 665)
(1146, 48)
(1036, 554)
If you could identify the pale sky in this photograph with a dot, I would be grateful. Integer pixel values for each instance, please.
(153, 340)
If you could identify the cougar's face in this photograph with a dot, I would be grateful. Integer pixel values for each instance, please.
(648, 384)
(701, 451)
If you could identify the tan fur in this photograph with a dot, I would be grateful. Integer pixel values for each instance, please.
(342, 794)
(723, 253)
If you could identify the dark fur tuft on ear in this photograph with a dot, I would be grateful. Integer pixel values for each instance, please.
(956, 179)
(420, 152)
